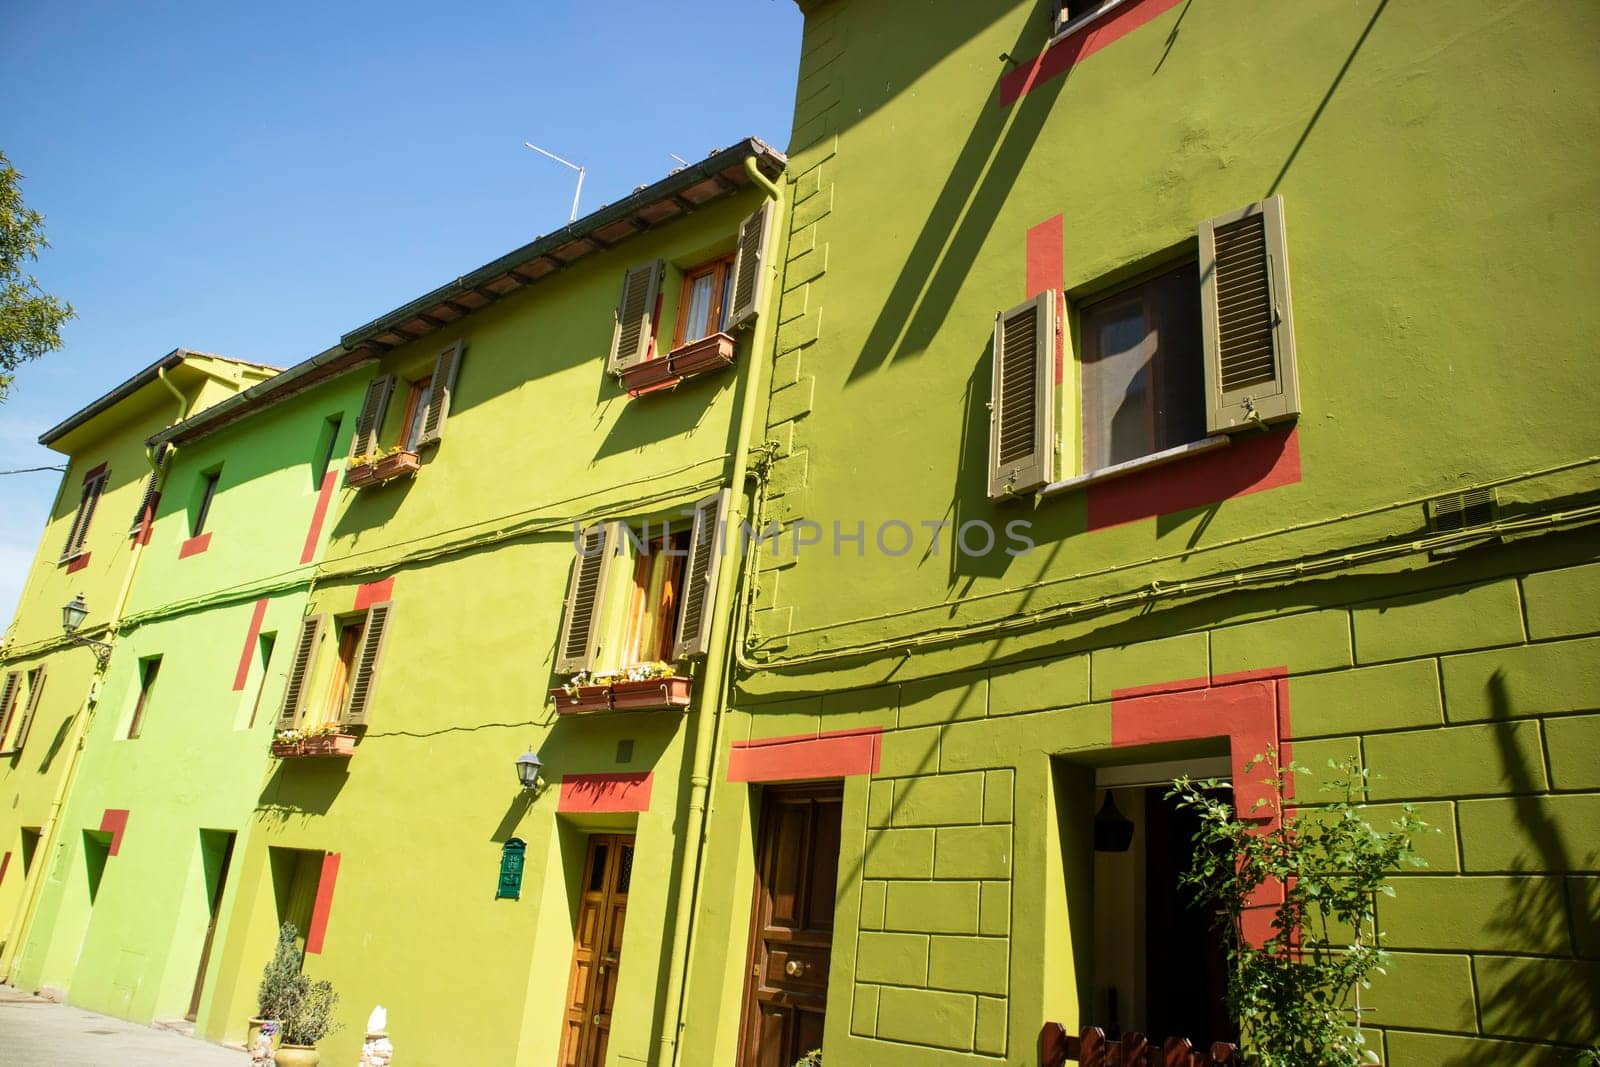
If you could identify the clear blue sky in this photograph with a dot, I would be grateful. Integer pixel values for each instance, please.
(255, 180)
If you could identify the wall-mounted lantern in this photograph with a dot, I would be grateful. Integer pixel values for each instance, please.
(528, 765)
(72, 615)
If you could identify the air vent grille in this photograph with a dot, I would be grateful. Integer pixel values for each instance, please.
(1462, 511)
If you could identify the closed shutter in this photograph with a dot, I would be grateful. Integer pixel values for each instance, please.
(80, 522)
(1022, 422)
(706, 546)
(35, 691)
(749, 267)
(147, 506)
(630, 340)
(8, 698)
(369, 657)
(444, 385)
(1249, 328)
(305, 652)
(370, 423)
(580, 632)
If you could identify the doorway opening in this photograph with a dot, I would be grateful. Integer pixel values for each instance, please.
(296, 876)
(597, 950)
(216, 855)
(96, 850)
(1160, 958)
(791, 927)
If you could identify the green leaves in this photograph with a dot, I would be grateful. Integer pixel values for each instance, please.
(1294, 995)
(30, 319)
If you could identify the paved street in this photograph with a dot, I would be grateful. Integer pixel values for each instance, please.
(39, 1033)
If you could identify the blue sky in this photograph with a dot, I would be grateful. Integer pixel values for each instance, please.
(255, 180)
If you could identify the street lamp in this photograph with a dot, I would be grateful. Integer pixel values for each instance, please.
(72, 615)
(528, 765)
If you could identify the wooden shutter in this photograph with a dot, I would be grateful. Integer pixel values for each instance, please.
(580, 631)
(706, 546)
(749, 267)
(35, 691)
(1249, 330)
(443, 385)
(80, 522)
(370, 422)
(369, 657)
(147, 503)
(305, 654)
(1022, 421)
(8, 698)
(630, 340)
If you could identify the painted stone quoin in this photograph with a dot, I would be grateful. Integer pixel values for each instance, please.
(1267, 324)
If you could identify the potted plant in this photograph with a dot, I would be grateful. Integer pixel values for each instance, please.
(309, 1020)
(278, 987)
(372, 468)
(649, 685)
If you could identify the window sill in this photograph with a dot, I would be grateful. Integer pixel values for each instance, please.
(688, 360)
(76, 563)
(654, 694)
(1155, 459)
(384, 469)
(1079, 23)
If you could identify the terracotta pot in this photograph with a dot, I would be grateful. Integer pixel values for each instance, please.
(698, 357)
(383, 469)
(650, 694)
(329, 745)
(285, 749)
(589, 698)
(297, 1056)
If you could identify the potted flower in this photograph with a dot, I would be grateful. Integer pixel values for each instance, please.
(649, 685)
(327, 739)
(276, 994)
(309, 1020)
(372, 468)
(583, 692)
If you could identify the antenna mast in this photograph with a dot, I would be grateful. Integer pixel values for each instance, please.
(565, 163)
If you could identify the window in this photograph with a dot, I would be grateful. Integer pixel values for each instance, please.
(264, 646)
(427, 407)
(94, 483)
(19, 700)
(203, 499)
(1203, 347)
(148, 669)
(416, 409)
(327, 441)
(703, 307)
(352, 678)
(634, 598)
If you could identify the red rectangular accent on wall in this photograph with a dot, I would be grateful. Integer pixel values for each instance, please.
(1046, 257)
(78, 563)
(319, 913)
(195, 545)
(1252, 463)
(248, 656)
(374, 593)
(786, 759)
(115, 823)
(1064, 55)
(93, 473)
(320, 515)
(605, 792)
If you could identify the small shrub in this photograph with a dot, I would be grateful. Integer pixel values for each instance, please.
(810, 1059)
(280, 980)
(311, 1019)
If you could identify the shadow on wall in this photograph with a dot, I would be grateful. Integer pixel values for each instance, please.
(1546, 1000)
(302, 787)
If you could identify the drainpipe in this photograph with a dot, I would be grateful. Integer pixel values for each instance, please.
(47, 831)
(715, 676)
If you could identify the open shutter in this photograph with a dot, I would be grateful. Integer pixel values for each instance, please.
(444, 384)
(305, 652)
(35, 691)
(706, 545)
(87, 502)
(750, 267)
(1249, 330)
(1022, 420)
(8, 699)
(147, 506)
(630, 340)
(580, 631)
(369, 656)
(370, 422)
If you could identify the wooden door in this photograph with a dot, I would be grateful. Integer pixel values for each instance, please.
(597, 950)
(214, 902)
(791, 935)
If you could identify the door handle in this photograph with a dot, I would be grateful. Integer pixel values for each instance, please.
(794, 968)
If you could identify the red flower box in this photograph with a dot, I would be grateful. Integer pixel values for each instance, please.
(285, 749)
(686, 361)
(323, 745)
(382, 469)
(587, 698)
(651, 694)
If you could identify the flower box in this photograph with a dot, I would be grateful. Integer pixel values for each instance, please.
(686, 361)
(382, 469)
(321, 745)
(652, 694)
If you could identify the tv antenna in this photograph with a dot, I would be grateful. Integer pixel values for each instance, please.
(565, 163)
(679, 158)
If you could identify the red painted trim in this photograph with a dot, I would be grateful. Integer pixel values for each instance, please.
(5, 861)
(783, 759)
(77, 563)
(655, 325)
(374, 593)
(330, 481)
(93, 474)
(248, 656)
(319, 913)
(1249, 708)
(147, 521)
(1046, 258)
(1064, 55)
(606, 792)
(195, 545)
(1254, 462)
(115, 823)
